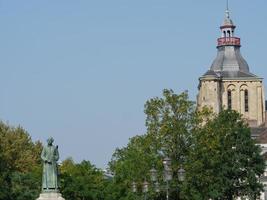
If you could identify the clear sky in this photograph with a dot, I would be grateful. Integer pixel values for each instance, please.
(81, 70)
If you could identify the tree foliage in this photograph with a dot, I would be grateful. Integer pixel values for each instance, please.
(81, 181)
(26, 185)
(131, 163)
(220, 158)
(224, 163)
(19, 164)
(169, 123)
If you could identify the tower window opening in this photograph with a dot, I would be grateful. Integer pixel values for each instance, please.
(246, 100)
(224, 33)
(229, 33)
(229, 99)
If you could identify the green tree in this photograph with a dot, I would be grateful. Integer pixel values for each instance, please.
(170, 121)
(219, 156)
(81, 181)
(26, 185)
(20, 153)
(3, 174)
(225, 162)
(19, 164)
(131, 164)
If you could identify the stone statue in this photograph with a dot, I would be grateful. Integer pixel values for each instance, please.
(50, 187)
(50, 157)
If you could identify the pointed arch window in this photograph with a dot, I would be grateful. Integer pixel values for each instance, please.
(246, 100)
(229, 99)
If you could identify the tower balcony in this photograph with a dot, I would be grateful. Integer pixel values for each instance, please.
(225, 41)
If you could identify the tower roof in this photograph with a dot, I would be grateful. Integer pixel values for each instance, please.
(229, 61)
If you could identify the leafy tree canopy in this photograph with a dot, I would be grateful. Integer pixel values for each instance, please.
(82, 181)
(217, 152)
(224, 162)
(170, 121)
(20, 165)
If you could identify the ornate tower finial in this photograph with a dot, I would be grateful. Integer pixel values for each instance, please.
(227, 9)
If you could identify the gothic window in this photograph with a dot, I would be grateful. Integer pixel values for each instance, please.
(246, 100)
(229, 99)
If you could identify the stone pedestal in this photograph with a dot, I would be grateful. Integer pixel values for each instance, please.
(50, 196)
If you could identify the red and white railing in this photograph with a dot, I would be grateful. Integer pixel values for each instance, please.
(229, 41)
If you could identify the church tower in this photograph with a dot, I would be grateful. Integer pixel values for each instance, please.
(229, 84)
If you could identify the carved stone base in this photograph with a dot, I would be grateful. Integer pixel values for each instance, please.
(50, 196)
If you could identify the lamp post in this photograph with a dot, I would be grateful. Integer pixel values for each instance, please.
(167, 176)
(145, 185)
(181, 177)
(166, 163)
(181, 174)
(145, 188)
(134, 187)
(154, 179)
(153, 174)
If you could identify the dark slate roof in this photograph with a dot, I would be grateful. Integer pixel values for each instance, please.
(233, 74)
(229, 58)
(211, 73)
(229, 74)
(237, 74)
(229, 63)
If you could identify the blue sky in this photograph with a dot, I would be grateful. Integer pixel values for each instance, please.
(81, 70)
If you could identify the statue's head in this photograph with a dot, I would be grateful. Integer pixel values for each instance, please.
(50, 141)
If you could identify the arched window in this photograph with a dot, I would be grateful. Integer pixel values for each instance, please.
(229, 99)
(224, 33)
(229, 33)
(246, 100)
